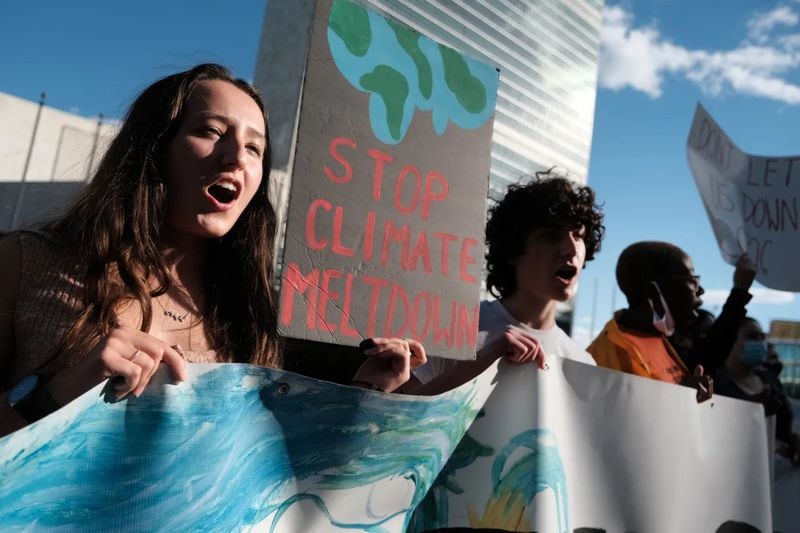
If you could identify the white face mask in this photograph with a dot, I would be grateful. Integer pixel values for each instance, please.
(664, 323)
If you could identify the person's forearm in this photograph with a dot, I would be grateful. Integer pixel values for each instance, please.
(720, 338)
(463, 372)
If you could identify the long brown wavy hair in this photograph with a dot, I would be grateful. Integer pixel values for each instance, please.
(117, 223)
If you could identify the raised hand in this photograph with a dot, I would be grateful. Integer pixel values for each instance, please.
(745, 272)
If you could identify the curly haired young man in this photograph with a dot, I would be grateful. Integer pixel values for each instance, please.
(538, 239)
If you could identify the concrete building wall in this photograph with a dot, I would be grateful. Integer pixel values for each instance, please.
(41, 201)
(279, 76)
(65, 147)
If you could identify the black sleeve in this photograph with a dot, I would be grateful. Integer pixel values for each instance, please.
(712, 350)
(320, 360)
(782, 408)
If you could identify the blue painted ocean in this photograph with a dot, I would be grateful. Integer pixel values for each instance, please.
(236, 447)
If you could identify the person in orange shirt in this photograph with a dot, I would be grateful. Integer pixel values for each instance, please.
(663, 293)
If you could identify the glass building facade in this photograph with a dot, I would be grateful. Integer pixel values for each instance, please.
(547, 53)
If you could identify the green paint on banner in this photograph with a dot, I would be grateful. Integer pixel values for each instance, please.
(410, 43)
(351, 23)
(392, 86)
(468, 89)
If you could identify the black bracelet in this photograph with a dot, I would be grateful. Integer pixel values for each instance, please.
(367, 385)
(39, 402)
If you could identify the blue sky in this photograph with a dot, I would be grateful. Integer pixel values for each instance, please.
(94, 57)
(659, 58)
(738, 57)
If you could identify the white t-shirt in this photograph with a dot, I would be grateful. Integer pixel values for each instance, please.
(493, 320)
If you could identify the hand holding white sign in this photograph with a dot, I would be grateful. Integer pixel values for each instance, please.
(745, 272)
(516, 346)
(751, 201)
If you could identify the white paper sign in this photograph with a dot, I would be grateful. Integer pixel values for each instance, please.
(584, 449)
(751, 201)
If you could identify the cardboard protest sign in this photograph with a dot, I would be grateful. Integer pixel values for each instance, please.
(584, 449)
(236, 447)
(751, 201)
(387, 209)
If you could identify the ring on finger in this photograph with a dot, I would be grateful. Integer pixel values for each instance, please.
(133, 355)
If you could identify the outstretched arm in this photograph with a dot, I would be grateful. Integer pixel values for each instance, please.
(514, 344)
(718, 343)
(128, 356)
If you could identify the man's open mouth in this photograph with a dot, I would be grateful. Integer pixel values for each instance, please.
(567, 273)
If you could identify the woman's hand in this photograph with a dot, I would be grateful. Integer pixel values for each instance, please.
(516, 345)
(129, 355)
(390, 362)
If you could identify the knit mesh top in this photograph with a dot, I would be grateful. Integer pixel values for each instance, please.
(49, 302)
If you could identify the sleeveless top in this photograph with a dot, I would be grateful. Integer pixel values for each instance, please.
(49, 301)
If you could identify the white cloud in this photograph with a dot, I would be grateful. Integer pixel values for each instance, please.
(760, 296)
(636, 57)
(640, 58)
(759, 27)
(790, 42)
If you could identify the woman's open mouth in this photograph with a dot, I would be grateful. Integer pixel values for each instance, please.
(223, 192)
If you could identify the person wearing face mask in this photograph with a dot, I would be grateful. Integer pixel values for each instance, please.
(663, 294)
(773, 365)
(745, 377)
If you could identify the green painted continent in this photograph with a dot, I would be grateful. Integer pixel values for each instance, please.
(468, 89)
(393, 89)
(410, 43)
(351, 23)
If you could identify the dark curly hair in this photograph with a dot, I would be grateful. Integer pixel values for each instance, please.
(547, 201)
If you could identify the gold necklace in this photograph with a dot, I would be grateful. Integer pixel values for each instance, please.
(172, 314)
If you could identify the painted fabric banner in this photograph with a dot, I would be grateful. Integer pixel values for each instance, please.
(751, 201)
(238, 447)
(584, 449)
(387, 209)
(235, 448)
